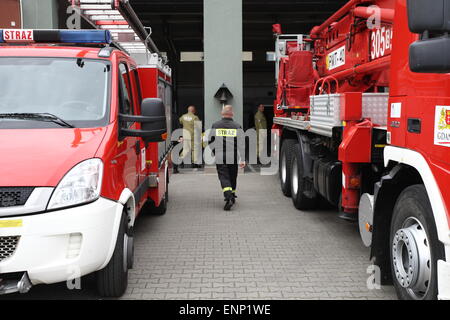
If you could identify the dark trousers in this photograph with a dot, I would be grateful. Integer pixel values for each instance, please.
(228, 178)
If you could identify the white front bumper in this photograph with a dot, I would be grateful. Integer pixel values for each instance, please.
(64, 244)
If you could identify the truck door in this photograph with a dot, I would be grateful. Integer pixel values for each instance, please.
(142, 172)
(128, 147)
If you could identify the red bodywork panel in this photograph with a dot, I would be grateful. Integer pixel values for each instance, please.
(30, 159)
(153, 85)
(419, 94)
(41, 157)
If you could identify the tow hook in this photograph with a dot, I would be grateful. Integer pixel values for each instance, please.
(12, 286)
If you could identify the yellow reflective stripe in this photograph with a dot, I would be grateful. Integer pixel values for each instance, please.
(234, 191)
(226, 132)
(227, 189)
(11, 223)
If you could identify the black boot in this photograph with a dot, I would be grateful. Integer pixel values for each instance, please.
(228, 200)
(228, 204)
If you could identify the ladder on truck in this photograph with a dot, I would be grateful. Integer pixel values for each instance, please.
(117, 16)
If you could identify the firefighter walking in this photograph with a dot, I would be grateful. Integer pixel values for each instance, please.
(229, 147)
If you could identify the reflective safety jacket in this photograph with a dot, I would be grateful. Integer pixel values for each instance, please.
(188, 122)
(229, 141)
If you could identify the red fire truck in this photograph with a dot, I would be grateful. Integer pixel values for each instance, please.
(363, 113)
(84, 149)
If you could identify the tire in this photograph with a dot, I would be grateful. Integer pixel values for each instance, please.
(112, 281)
(287, 149)
(413, 231)
(158, 210)
(304, 197)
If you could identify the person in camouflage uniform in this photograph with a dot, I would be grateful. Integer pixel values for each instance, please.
(190, 122)
(261, 130)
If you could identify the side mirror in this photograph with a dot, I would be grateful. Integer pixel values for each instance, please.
(430, 56)
(429, 15)
(431, 19)
(153, 120)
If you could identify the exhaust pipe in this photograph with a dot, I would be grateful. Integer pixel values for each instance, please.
(12, 286)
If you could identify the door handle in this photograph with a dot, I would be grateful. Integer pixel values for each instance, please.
(414, 125)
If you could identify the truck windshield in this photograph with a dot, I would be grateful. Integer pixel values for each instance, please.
(74, 90)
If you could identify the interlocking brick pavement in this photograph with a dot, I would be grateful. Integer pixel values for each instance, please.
(263, 249)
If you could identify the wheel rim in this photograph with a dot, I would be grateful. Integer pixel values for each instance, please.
(294, 177)
(283, 168)
(412, 258)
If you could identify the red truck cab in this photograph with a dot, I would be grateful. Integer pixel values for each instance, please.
(76, 137)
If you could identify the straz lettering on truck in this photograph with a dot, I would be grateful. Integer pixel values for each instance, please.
(18, 35)
(336, 58)
(380, 42)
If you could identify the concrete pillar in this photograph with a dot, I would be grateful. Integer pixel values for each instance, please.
(42, 14)
(222, 56)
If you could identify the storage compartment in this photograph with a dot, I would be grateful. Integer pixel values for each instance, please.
(326, 110)
(325, 113)
(375, 107)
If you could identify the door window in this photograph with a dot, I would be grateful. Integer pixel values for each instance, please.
(125, 93)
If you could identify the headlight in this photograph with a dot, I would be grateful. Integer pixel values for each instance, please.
(80, 185)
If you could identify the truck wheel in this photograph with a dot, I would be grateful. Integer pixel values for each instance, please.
(112, 281)
(415, 248)
(162, 208)
(303, 194)
(287, 149)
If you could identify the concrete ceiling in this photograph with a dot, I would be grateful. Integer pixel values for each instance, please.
(178, 24)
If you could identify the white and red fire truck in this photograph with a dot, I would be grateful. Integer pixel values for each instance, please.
(363, 113)
(85, 148)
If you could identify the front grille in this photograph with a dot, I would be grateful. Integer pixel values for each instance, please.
(7, 246)
(14, 196)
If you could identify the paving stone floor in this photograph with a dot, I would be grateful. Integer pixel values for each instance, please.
(263, 249)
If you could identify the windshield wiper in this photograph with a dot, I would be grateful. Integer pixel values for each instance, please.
(38, 117)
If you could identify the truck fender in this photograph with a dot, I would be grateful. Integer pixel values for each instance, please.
(308, 163)
(417, 161)
(386, 193)
(126, 200)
